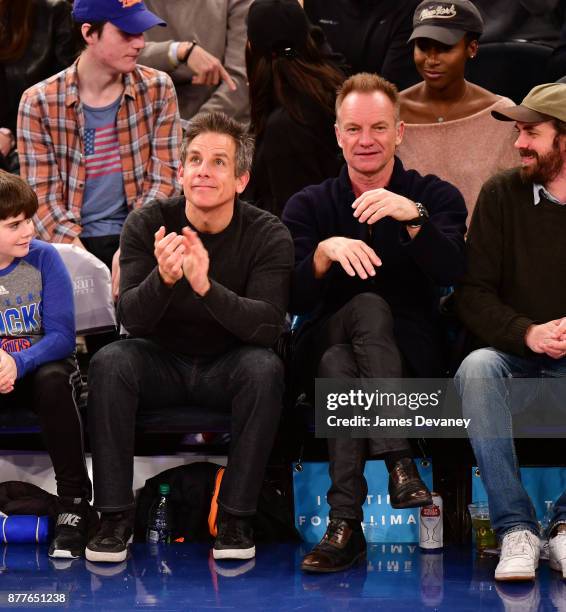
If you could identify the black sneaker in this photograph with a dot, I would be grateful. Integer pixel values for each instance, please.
(235, 539)
(110, 543)
(71, 529)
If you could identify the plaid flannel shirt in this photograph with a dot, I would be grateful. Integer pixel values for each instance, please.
(51, 129)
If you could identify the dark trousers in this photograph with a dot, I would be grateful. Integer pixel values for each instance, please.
(52, 390)
(357, 341)
(248, 381)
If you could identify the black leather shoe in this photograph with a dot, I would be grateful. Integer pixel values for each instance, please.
(406, 489)
(338, 550)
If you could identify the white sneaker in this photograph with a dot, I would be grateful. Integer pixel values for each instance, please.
(519, 556)
(557, 552)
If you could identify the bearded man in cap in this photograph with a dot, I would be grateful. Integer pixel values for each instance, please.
(513, 301)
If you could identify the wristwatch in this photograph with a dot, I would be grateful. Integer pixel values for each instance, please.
(421, 219)
(188, 52)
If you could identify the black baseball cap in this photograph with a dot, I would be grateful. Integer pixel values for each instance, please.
(277, 24)
(446, 21)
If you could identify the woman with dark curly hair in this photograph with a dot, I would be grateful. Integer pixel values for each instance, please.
(292, 93)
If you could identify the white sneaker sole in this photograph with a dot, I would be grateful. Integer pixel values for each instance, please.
(63, 554)
(515, 576)
(558, 566)
(234, 553)
(108, 557)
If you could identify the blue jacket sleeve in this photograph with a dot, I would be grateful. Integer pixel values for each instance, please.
(58, 316)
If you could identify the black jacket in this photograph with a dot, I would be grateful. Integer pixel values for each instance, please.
(291, 155)
(412, 271)
(51, 48)
(371, 34)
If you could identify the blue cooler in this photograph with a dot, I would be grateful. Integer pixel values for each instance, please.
(25, 529)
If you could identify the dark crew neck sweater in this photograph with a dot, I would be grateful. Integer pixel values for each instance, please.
(250, 266)
(516, 263)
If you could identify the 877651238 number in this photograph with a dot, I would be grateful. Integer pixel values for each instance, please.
(32, 598)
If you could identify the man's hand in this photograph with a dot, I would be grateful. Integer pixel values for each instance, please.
(6, 141)
(8, 372)
(169, 251)
(375, 204)
(116, 275)
(548, 338)
(77, 242)
(208, 69)
(355, 256)
(195, 263)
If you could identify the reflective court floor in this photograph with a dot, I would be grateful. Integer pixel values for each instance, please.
(185, 577)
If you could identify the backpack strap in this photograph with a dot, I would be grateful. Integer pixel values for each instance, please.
(213, 514)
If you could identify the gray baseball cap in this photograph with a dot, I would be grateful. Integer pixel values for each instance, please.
(446, 21)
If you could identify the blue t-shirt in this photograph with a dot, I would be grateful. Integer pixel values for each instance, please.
(37, 314)
(104, 203)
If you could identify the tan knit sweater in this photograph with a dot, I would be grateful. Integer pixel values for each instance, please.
(465, 152)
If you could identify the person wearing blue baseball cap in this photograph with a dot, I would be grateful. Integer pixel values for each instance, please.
(130, 16)
(102, 137)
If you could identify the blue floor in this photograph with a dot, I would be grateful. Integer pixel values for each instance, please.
(185, 577)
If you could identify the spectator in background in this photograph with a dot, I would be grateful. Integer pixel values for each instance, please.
(537, 21)
(202, 48)
(36, 40)
(449, 130)
(292, 93)
(371, 35)
(102, 137)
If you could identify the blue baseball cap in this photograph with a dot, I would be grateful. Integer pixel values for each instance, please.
(130, 16)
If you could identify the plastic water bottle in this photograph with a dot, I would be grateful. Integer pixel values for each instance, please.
(159, 526)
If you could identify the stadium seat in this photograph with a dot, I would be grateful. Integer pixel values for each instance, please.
(509, 69)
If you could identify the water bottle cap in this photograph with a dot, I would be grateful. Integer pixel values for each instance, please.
(164, 489)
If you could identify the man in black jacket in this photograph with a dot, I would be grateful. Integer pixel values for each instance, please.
(203, 292)
(372, 247)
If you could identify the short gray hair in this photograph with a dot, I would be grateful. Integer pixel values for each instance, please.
(220, 123)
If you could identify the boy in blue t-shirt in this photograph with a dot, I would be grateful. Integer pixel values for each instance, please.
(37, 363)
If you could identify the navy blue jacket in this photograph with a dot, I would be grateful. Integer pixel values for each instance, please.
(412, 271)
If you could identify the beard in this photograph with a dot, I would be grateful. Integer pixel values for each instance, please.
(547, 166)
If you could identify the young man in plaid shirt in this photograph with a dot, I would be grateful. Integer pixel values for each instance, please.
(101, 137)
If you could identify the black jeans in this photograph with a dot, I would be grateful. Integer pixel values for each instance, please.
(357, 341)
(248, 381)
(52, 390)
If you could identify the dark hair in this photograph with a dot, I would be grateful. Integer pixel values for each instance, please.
(280, 78)
(471, 36)
(367, 82)
(96, 27)
(16, 197)
(16, 20)
(559, 126)
(219, 123)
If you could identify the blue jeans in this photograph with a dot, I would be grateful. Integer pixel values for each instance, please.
(490, 410)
